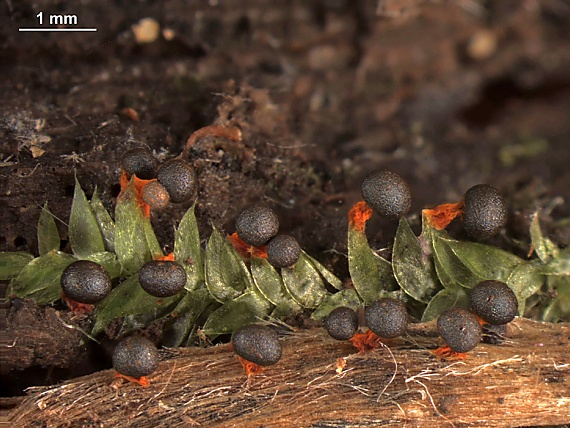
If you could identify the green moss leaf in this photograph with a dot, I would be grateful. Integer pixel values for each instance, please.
(48, 236)
(41, 278)
(268, 281)
(325, 273)
(104, 220)
(131, 244)
(348, 298)
(525, 280)
(371, 275)
(484, 260)
(559, 308)
(304, 283)
(188, 251)
(128, 299)
(84, 233)
(247, 308)
(185, 315)
(11, 264)
(446, 299)
(286, 310)
(227, 276)
(545, 249)
(412, 263)
(151, 240)
(559, 265)
(108, 261)
(451, 271)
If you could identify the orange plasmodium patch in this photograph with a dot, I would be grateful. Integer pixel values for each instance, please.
(76, 307)
(445, 352)
(139, 186)
(142, 381)
(440, 216)
(246, 251)
(250, 368)
(365, 341)
(482, 322)
(168, 258)
(358, 215)
(340, 365)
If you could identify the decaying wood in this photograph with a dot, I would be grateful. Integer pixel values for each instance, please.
(37, 336)
(525, 381)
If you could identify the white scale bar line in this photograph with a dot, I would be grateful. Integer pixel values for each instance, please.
(57, 29)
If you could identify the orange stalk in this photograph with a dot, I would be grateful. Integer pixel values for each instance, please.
(247, 251)
(445, 352)
(76, 307)
(142, 381)
(139, 186)
(358, 215)
(250, 368)
(440, 216)
(168, 258)
(365, 341)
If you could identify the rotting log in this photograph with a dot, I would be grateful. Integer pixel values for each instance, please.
(525, 381)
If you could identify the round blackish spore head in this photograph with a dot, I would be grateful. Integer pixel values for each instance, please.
(162, 278)
(179, 178)
(459, 329)
(135, 356)
(283, 251)
(494, 334)
(387, 318)
(484, 212)
(155, 195)
(86, 282)
(256, 225)
(387, 193)
(257, 344)
(494, 302)
(140, 162)
(342, 323)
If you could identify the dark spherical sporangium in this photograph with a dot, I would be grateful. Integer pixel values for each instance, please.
(387, 194)
(256, 225)
(342, 323)
(387, 318)
(459, 329)
(86, 282)
(135, 356)
(258, 344)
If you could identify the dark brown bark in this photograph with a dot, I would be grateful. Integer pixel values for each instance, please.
(522, 382)
(38, 336)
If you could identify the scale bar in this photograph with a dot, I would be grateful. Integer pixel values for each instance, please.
(56, 29)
